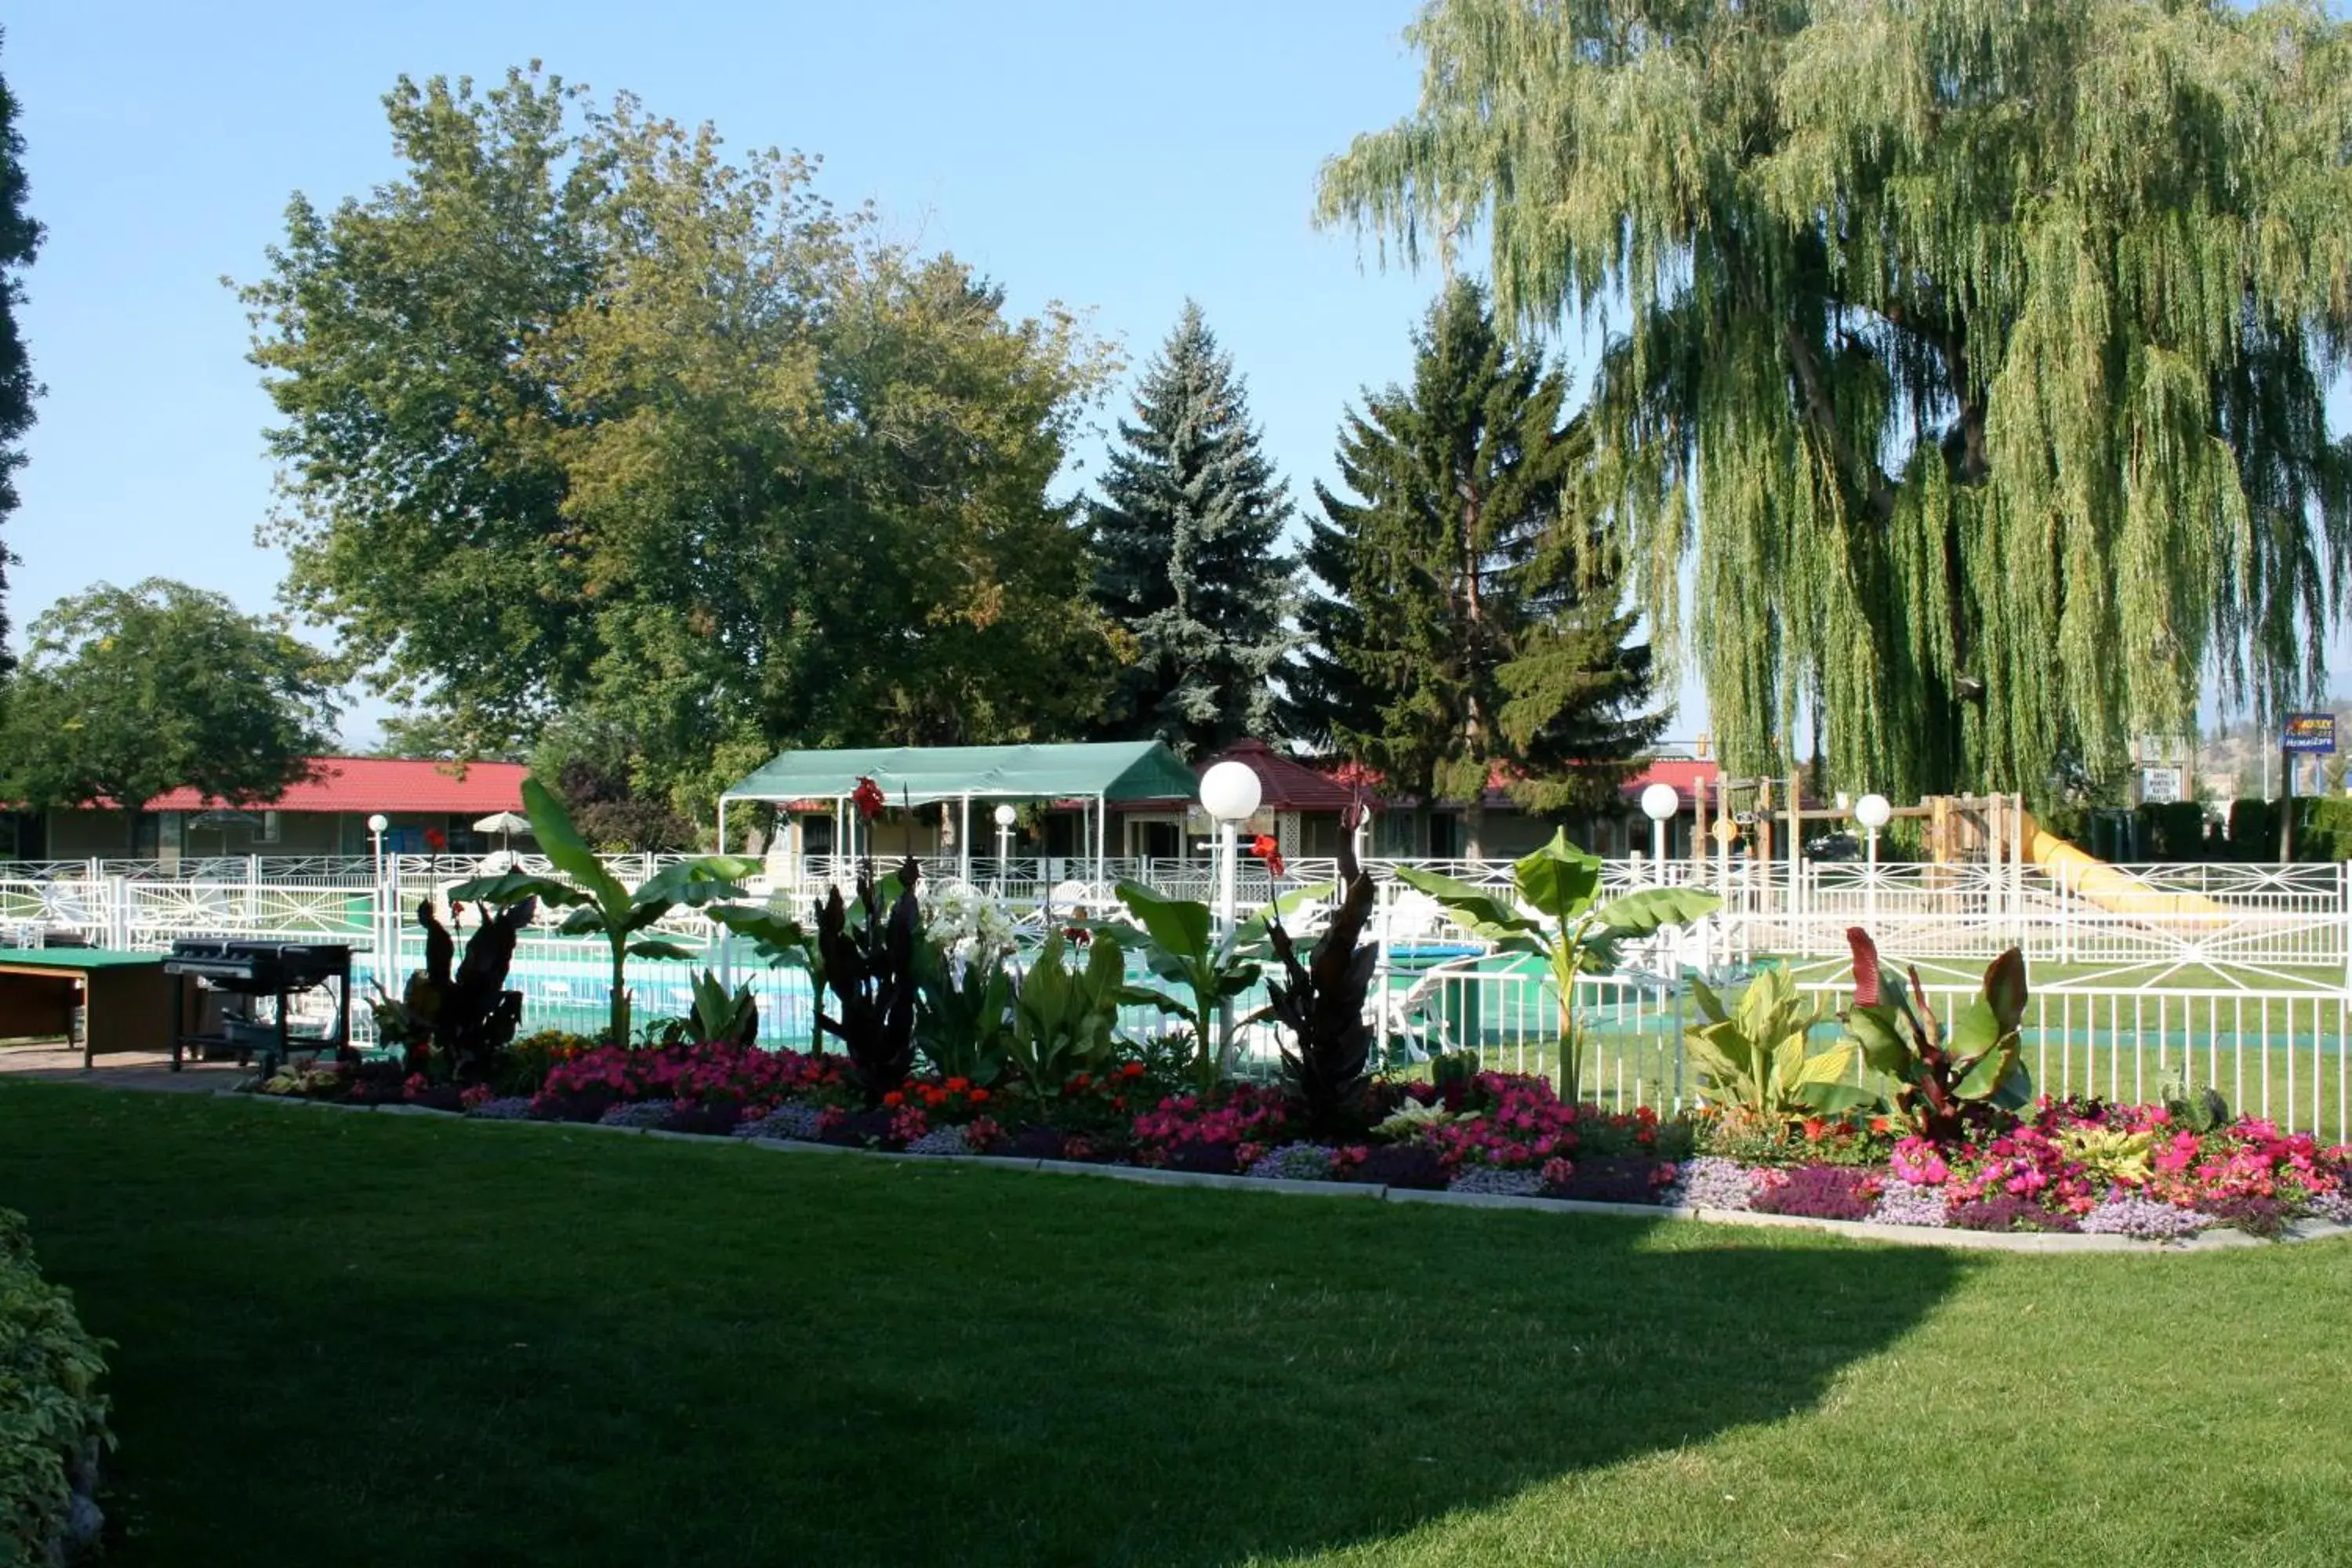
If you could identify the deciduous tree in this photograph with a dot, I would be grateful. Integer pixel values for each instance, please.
(20, 241)
(704, 460)
(128, 693)
(1977, 351)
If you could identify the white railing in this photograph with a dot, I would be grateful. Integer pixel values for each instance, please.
(2248, 995)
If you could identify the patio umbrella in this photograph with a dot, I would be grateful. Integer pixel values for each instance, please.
(503, 824)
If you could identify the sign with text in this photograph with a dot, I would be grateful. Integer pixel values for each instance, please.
(2308, 732)
(2159, 787)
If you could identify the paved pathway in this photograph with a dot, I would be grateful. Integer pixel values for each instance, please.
(116, 1069)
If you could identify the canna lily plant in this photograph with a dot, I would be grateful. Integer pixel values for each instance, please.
(600, 904)
(1936, 1075)
(1571, 928)
(1209, 972)
(1758, 1054)
(1322, 1001)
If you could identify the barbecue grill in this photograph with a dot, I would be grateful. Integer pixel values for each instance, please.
(245, 967)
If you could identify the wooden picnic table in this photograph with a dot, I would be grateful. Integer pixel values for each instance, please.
(125, 1001)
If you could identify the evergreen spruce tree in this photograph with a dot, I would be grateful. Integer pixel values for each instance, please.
(1324, 698)
(1188, 559)
(20, 239)
(1486, 631)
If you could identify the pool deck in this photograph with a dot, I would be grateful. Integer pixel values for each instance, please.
(149, 1070)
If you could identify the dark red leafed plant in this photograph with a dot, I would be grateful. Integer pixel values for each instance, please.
(870, 970)
(1939, 1077)
(1321, 1002)
(459, 1008)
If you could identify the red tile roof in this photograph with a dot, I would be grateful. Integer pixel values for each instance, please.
(387, 785)
(1689, 775)
(1286, 786)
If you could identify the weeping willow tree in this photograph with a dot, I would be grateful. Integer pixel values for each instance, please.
(1977, 350)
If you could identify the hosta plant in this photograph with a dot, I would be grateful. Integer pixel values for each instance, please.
(1558, 914)
(1756, 1056)
(1936, 1075)
(963, 1012)
(722, 1015)
(1065, 1015)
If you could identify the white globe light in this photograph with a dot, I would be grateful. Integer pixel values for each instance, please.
(1007, 816)
(378, 823)
(1873, 811)
(1661, 800)
(1230, 791)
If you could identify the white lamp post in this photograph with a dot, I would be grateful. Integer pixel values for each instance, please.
(1005, 816)
(1660, 802)
(384, 920)
(1873, 812)
(1230, 794)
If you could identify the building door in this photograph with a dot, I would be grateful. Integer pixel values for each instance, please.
(1445, 836)
(1155, 838)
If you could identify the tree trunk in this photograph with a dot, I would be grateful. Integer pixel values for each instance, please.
(1473, 723)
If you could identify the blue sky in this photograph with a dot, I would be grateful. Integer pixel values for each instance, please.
(1115, 157)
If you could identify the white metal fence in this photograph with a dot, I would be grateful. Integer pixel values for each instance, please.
(2231, 977)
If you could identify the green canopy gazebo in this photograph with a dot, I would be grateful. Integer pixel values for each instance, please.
(1103, 772)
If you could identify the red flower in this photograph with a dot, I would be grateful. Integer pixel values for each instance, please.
(867, 798)
(980, 1097)
(1132, 1069)
(893, 1097)
(435, 840)
(958, 1085)
(1266, 849)
(1078, 936)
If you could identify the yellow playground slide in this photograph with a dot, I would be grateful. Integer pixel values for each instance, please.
(2116, 891)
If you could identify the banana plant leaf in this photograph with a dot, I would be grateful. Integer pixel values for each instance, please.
(514, 886)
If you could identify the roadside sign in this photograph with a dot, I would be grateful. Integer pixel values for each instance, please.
(2312, 732)
(2159, 787)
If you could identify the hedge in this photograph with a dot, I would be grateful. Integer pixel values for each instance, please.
(52, 1420)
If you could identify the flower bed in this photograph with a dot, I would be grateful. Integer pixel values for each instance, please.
(2150, 1173)
(52, 1420)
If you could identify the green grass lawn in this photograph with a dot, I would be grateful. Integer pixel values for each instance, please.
(383, 1339)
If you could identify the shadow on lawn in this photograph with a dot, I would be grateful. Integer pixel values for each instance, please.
(626, 1352)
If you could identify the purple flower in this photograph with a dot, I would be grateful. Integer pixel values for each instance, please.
(2128, 1214)
(1904, 1203)
(1712, 1182)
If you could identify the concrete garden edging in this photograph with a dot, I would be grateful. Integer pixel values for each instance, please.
(2213, 1240)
